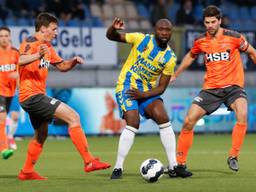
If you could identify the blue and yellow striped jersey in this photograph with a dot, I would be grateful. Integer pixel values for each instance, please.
(145, 63)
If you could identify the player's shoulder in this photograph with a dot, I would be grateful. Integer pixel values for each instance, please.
(169, 54)
(170, 51)
(31, 39)
(141, 35)
(136, 34)
(14, 49)
(231, 33)
(201, 36)
(134, 37)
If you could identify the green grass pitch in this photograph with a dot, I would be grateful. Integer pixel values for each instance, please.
(62, 165)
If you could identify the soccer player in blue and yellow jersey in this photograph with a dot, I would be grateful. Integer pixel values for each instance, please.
(138, 91)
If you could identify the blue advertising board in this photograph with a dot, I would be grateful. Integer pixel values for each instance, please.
(99, 112)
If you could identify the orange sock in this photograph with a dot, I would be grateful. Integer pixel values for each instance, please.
(238, 135)
(79, 140)
(3, 138)
(184, 143)
(34, 151)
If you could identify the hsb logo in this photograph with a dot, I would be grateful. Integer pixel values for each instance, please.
(221, 56)
(7, 67)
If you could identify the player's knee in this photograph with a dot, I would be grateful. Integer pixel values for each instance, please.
(161, 118)
(2, 120)
(133, 122)
(242, 116)
(3, 117)
(189, 123)
(135, 125)
(74, 119)
(41, 137)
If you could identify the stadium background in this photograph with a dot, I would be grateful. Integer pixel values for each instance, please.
(82, 31)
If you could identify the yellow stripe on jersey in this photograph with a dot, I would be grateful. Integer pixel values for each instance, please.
(145, 63)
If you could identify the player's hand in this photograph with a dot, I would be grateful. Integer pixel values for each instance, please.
(43, 49)
(135, 94)
(173, 78)
(78, 60)
(118, 24)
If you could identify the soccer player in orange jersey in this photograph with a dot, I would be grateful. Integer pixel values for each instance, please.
(224, 83)
(36, 54)
(9, 57)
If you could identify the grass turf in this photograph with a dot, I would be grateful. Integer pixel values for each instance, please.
(62, 165)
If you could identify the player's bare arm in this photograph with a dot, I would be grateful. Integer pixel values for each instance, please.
(186, 62)
(69, 64)
(112, 32)
(27, 59)
(252, 53)
(159, 90)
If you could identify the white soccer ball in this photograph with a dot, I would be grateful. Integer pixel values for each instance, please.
(152, 170)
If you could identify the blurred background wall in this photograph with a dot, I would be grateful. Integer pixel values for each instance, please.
(82, 31)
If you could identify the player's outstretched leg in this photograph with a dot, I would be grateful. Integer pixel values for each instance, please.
(79, 140)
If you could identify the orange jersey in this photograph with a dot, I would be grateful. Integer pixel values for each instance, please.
(8, 65)
(33, 75)
(224, 66)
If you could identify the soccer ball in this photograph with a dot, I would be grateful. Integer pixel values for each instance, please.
(151, 170)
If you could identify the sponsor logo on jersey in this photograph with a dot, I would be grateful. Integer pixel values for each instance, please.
(143, 61)
(7, 67)
(221, 56)
(44, 63)
(128, 103)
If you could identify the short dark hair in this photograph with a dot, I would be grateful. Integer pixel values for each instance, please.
(212, 11)
(5, 29)
(44, 19)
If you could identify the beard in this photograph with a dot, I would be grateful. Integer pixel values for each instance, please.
(213, 31)
(162, 42)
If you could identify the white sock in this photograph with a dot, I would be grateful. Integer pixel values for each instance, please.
(169, 142)
(12, 128)
(125, 143)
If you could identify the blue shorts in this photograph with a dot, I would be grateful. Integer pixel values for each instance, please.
(126, 104)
